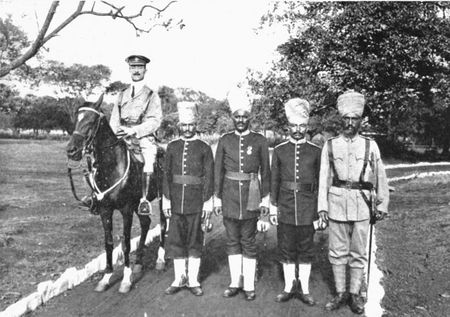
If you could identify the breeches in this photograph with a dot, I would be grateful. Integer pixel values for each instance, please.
(296, 243)
(149, 150)
(185, 238)
(347, 243)
(241, 236)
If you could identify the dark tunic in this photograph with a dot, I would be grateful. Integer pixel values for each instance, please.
(192, 158)
(247, 153)
(299, 164)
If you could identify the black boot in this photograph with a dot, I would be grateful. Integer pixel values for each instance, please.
(337, 301)
(145, 208)
(356, 304)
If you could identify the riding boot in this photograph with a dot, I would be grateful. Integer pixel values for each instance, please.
(145, 208)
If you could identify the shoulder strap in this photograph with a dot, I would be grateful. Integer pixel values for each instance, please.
(331, 159)
(366, 160)
(146, 107)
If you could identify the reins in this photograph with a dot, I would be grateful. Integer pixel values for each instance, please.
(91, 172)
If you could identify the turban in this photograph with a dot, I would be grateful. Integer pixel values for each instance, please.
(297, 111)
(351, 102)
(187, 112)
(239, 100)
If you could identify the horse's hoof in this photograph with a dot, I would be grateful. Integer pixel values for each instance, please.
(101, 287)
(124, 288)
(160, 265)
(137, 268)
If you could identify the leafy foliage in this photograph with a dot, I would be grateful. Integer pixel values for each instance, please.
(396, 53)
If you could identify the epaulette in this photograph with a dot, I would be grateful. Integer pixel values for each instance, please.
(173, 140)
(366, 137)
(282, 143)
(226, 133)
(313, 144)
(257, 133)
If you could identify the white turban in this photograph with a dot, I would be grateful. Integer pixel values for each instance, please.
(187, 112)
(351, 102)
(239, 100)
(297, 111)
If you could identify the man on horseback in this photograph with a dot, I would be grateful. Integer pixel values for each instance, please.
(136, 116)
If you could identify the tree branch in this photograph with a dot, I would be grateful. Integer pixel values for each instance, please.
(35, 46)
(43, 37)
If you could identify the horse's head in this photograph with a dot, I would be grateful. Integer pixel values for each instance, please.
(87, 122)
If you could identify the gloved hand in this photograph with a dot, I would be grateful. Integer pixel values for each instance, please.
(264, 211)
(217, 210)
(273, 217)
(323, 220)
(262, 226)
(126, 131)
(380, 215)
(167, 213)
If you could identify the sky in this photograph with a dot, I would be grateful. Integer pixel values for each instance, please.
(211, 53)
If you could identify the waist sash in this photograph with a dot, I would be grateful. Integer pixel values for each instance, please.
(254, 193)
(187, 180)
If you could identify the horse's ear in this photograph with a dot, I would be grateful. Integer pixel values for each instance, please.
(99, 102)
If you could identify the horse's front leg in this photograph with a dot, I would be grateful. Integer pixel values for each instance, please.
(127, 214)
(164, 223)
(145, 222)
(105, 282)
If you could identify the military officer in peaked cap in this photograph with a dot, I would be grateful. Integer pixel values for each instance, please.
(351, 170)
(188, 187)
(293, 195)
(137, 114)
(241, 156)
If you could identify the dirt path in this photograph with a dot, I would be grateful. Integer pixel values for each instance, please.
(148, 297)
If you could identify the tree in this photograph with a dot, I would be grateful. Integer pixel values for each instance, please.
(13, 40)
(396, 53)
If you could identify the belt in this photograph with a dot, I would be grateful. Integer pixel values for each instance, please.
(298, 186)
(237, 176)
(352, 185)
(187, 180)
(254, 193)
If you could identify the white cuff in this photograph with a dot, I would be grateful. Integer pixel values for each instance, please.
(166, 203)
(265, 201)
(273, 210)
(217, 202)
(208, 205)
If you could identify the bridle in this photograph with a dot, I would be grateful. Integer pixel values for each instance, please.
(88, 151)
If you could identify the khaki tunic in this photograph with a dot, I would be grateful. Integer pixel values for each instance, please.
(143, 112)
(343, 204)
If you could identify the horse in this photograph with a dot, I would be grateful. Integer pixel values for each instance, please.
(116, 181)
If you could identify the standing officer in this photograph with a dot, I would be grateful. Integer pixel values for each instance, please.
(293, 195)
(137, 115)
(240, 156)
(351, 170)
(188, 187)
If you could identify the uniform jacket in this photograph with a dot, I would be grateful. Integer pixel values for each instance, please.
(194, 158)
(297, 162)
(345, 204)
(245, 153)
(143, 112)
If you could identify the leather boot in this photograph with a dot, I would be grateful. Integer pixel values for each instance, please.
(145, 208)
(337, 301)
(356, 304)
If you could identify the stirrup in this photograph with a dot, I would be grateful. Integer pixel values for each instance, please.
(145, 208)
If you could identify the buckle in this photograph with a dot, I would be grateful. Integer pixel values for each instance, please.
(348, 185)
